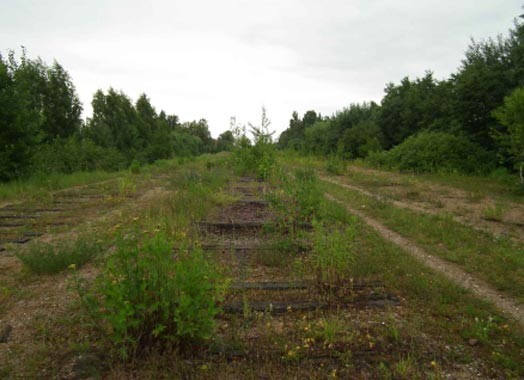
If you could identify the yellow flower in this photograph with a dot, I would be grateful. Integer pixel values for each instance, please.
(72, 266)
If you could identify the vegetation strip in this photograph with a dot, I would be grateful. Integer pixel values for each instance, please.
(409, 206)
(452, 272)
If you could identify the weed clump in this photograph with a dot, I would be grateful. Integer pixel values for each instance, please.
(332, 257)
(335, 166)
(148, 299)
(259, 158)
(297, 199)
(45, 258)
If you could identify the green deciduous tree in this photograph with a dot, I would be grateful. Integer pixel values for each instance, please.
(61, 105)
(19, 118)
(115, 123)
(226, 141)
(413, 106)
(511, 116)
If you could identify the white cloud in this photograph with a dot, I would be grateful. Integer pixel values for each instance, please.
(213, 60)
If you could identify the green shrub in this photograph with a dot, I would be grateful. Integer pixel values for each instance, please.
(71, 155)
(435, 152)
(258, 160)
(147, 298)
(44, 258)
(135, 167)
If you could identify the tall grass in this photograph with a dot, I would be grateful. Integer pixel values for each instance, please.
(39, 184)
(45, 258)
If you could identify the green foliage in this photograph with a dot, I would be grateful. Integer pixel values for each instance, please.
(435, 152)
(296, 200)
(511, 115)
(19, 119)
(147, 298)
(480, 85)
(75, 154)
(357, 117)
(335, 165)
(41, 130)
(61, 106)
(257, 159)
(332, 257)
(293, 137)
(316, 138)
(135, 167)
(225, 142)
(413, 106)
(45, 258)
(360, 140)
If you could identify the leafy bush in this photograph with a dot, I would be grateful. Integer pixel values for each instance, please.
(360, 140)
(71, 155)
(43, 258)
(135, 167)
(147, 298)
(435, 152)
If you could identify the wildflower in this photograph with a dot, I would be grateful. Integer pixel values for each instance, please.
(72, 266)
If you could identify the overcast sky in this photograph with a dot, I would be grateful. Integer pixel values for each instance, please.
(216, 59)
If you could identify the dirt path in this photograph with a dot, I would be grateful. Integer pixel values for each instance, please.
(472, 213)
(450, 271)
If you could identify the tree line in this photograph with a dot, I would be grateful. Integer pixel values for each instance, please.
(42, 130)
(476, 116)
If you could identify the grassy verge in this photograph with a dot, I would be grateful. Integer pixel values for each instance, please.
(38, 185)
(435, 308)
(439, 308)
(499, 185)
(499, 262)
